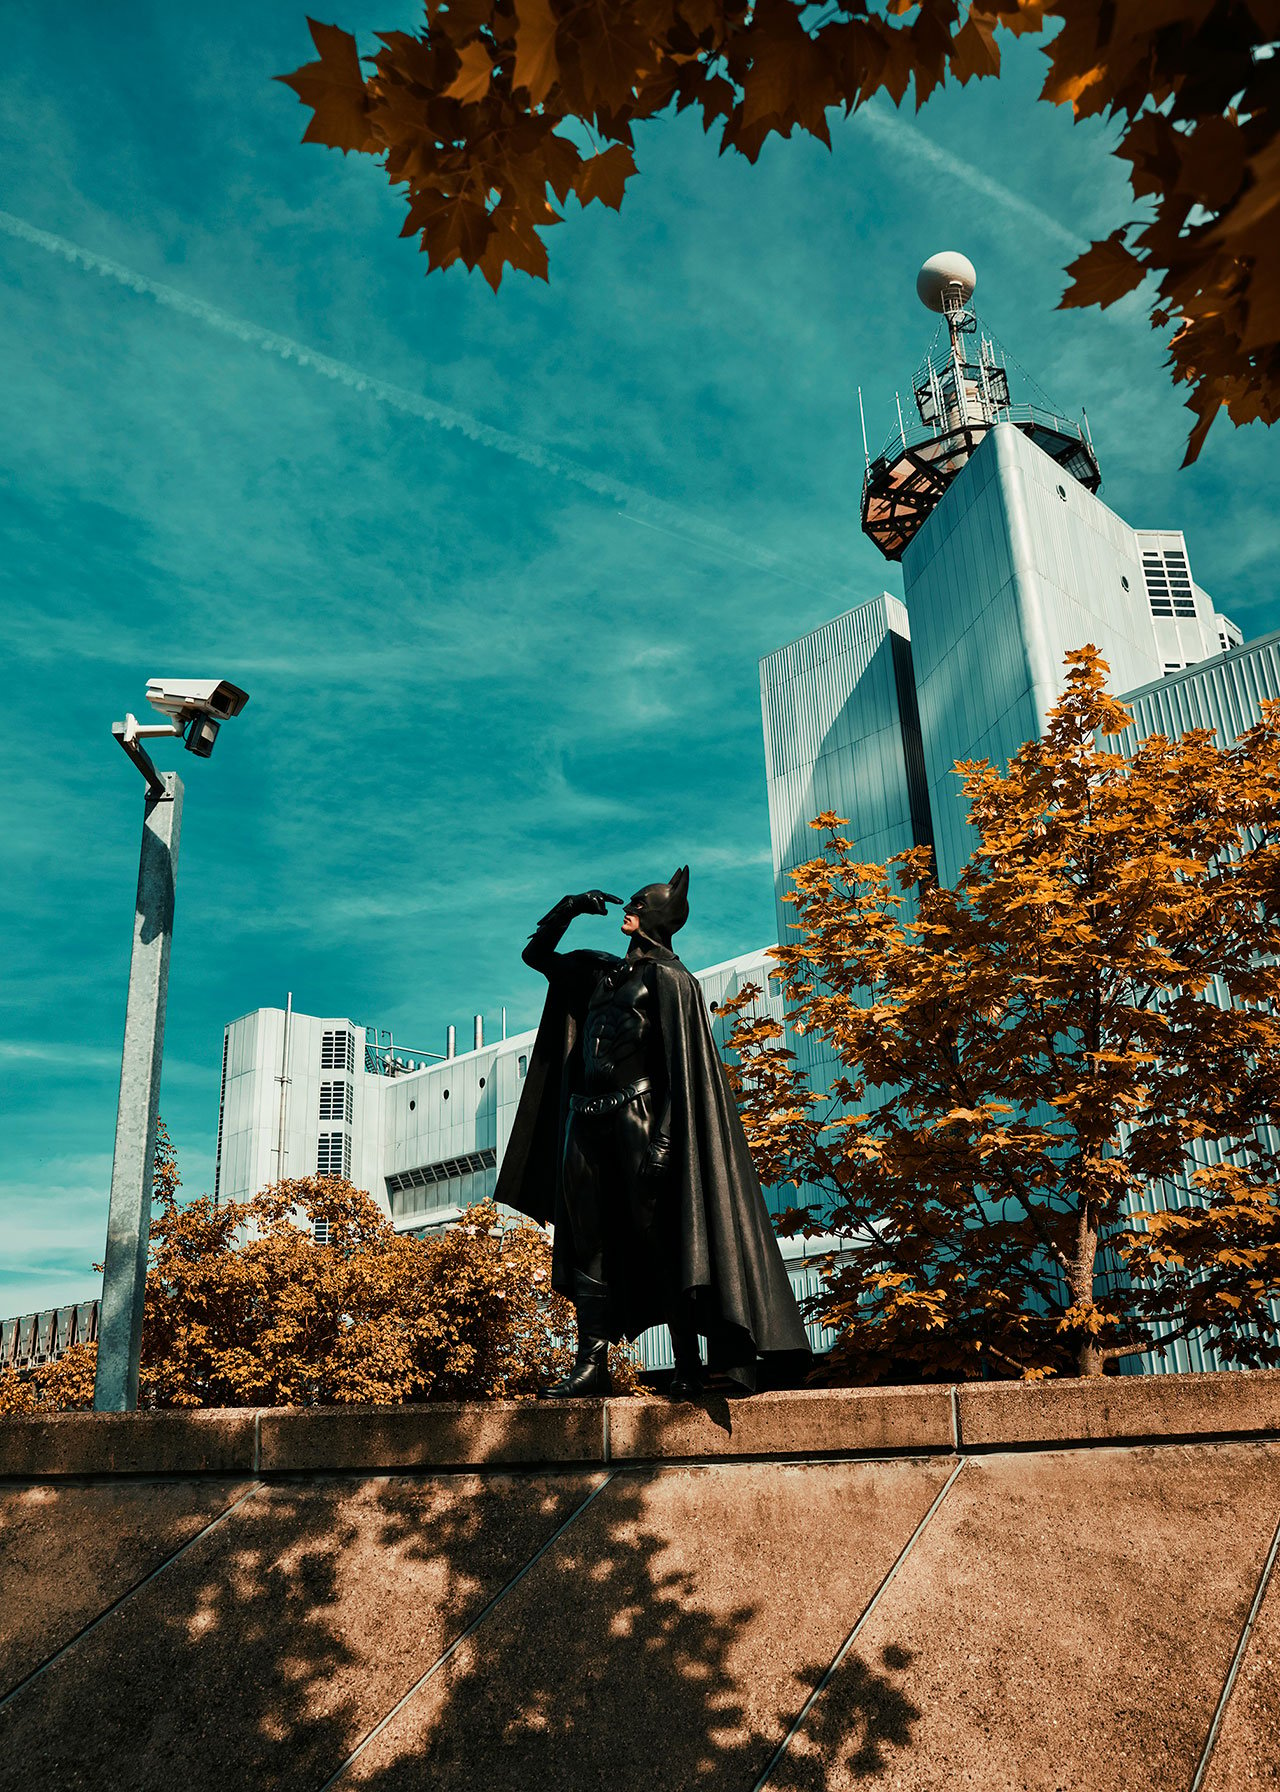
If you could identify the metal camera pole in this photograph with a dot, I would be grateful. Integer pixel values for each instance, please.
(129, 1221)
(195, 710)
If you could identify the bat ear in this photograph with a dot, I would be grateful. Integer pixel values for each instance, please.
(680, 881)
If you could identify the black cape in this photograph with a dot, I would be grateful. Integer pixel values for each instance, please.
(729, 1262)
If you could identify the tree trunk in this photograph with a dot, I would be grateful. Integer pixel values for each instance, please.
(1089, 1358)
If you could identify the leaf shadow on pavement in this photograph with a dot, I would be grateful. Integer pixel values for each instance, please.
(622, 1658)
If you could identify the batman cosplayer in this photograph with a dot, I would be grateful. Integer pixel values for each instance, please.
(628, 1138)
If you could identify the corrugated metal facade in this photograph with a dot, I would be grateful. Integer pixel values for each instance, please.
(841, 733)
(1017, 566)
(249, 1136)
(1225, 694)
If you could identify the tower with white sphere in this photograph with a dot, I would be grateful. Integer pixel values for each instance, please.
(961, 390)
(988, 496)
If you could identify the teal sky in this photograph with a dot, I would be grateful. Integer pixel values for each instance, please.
(495, 570)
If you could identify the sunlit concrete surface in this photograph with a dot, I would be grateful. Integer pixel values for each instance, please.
(809, 1593)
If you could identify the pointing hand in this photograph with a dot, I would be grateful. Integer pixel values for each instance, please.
(594, 902)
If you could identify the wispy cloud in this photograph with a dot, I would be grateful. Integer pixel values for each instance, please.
(79, 1057)
(907, 139)
(19, 1054)
(637, 505)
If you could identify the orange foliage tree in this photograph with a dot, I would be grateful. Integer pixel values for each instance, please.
(245, 1308)
(481, 117)
(1051, 1143)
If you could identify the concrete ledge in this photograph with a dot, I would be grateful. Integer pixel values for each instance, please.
(817, 1422)
(1241, 1403)
(477, 1435)
(128, 1443)
(586, 1433)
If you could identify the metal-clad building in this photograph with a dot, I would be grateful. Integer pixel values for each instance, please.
(1224, 694)
(841, 734)
(292, 1103)
(1009, 562)
(1017, 566)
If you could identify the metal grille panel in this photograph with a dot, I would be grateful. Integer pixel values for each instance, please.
(446, 1169)
(338, 1050)
(333, 1154)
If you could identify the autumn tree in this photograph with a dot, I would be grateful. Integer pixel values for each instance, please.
(1051, 1140)
(496, 111)
(245, 1308)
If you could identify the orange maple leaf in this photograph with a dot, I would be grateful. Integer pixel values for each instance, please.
(605, 176)
(334, 89)
(473, 77)
(1104, 273)
(536, 69)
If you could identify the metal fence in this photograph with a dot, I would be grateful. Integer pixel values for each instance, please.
(36, 1338)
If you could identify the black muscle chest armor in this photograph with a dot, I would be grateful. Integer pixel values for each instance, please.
(619, 1039)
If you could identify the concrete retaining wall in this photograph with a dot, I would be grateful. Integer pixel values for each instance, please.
(971, 1417)
(1023, 1588)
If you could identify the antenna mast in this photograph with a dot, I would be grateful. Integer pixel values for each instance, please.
(961, 393)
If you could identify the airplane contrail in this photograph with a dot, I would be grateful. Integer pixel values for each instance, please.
(907, 137)
(634, 503)
(637, 505)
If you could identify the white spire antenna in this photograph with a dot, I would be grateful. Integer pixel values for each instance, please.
(866, 452)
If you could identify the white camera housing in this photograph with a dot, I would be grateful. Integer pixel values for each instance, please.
(187, 699)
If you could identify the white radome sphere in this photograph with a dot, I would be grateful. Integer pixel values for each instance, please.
(950, 268)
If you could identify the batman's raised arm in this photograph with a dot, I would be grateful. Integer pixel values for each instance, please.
(540, 954)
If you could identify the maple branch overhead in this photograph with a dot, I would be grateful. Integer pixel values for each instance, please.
(470, 115)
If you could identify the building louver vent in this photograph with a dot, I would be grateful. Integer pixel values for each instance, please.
(336, 1102)
(1168, 580)
(446, 1170)
(333, 1154)
(338, 1051)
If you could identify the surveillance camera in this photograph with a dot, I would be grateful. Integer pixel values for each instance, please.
(196, 707)
(187, 699)
(200, 736)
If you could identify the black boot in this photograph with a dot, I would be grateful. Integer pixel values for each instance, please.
(589, 1376)
(688, 1382)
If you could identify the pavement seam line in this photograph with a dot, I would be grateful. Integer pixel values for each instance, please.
(1237, 1661)
(462, 1635)
(852, 1637)
(955, 1419)
(137, 1587)
(257, 1443)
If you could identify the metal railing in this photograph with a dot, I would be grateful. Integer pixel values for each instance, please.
(36, 1338)
(920, 433)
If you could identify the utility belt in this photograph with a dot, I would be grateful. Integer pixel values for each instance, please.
(591, 1106)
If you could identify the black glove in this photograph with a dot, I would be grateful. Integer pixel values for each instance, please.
(657, 1160)
(592, 902)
